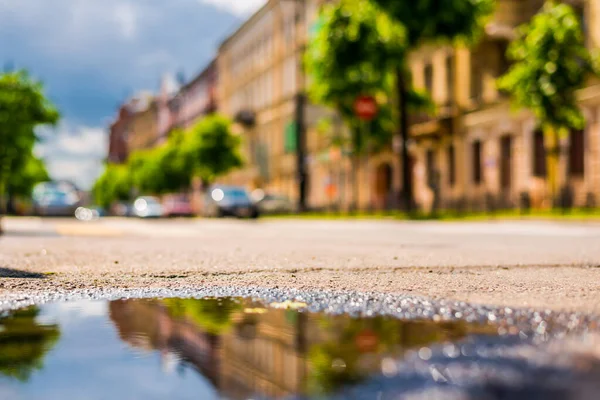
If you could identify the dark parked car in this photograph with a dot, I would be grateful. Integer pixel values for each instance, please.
(229, 201)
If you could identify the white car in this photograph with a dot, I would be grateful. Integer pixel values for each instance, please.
(147, 207)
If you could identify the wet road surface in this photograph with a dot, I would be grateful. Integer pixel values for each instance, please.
(239, 349)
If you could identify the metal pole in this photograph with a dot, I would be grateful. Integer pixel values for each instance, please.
(301, 151)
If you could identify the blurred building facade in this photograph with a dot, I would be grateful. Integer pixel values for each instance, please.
(260, 76)
(198, 98)
(117, 139)
(146, 120)
(182, 104)
(477, 153)
(134, 127)
(143, 128)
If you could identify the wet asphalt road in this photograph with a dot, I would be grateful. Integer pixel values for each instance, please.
(540, 282)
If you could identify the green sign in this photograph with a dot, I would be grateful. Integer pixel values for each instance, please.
(290, 138)
(316, 26)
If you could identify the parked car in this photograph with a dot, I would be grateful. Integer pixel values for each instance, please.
(275, 204)
(178, 206)
(122, 209)
(55, 200)
(147, 207)
(229, 201)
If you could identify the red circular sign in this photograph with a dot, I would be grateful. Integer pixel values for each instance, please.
(365, 108)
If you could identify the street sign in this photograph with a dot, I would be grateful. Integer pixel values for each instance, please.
(365, 108)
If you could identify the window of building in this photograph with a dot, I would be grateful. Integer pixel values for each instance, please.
(429, 78)
(476, 85)
(505, 162)
(503, 61)
(476, 78)
(450, 78)
(431, 170)
(539, 154)
(451, 166)
(477, 167)
(577, 154)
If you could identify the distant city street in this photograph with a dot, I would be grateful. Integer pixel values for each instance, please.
(522, 264)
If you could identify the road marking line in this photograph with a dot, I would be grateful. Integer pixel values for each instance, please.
(86, 230)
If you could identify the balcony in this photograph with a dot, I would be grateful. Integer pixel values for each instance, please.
(439, 124)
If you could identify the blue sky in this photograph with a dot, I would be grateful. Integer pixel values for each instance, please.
(93, 54)
(91, 362)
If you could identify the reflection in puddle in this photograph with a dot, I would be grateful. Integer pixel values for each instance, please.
(212, 348)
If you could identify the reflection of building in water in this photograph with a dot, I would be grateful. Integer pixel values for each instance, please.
(274, 353)
(266, 354)
(147, 325)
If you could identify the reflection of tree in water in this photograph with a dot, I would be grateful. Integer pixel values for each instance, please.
(24, 343)
(212, 315)
(352, 344)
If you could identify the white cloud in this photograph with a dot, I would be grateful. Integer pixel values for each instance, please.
(126, 17)
(238, 7)
(91, 55)
(74, 153)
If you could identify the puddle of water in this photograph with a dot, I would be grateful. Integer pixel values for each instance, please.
(224, 348)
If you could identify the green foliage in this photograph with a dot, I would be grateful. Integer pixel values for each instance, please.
(211, 149)
(24, 343)
(551, 64)
(208, 150)
(163, 169)
(113, 185)
(212, 315)
(23, 107)
(31, 173)
(439, 20)
(350, 55)
(145, 173)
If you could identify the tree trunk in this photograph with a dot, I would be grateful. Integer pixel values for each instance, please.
(4, 174)
(355, 183)
(407, 185)
(552, 140)
(356, 151)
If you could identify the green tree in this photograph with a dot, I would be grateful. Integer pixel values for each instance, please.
(23, 107)
(21, 184)
(210, 149)
(352, 54)
(551, 62)
(113, 185)
(145, 173)
(174, 164)
(24, 343)
(429, 21)
(212, 315)
(163, 169)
